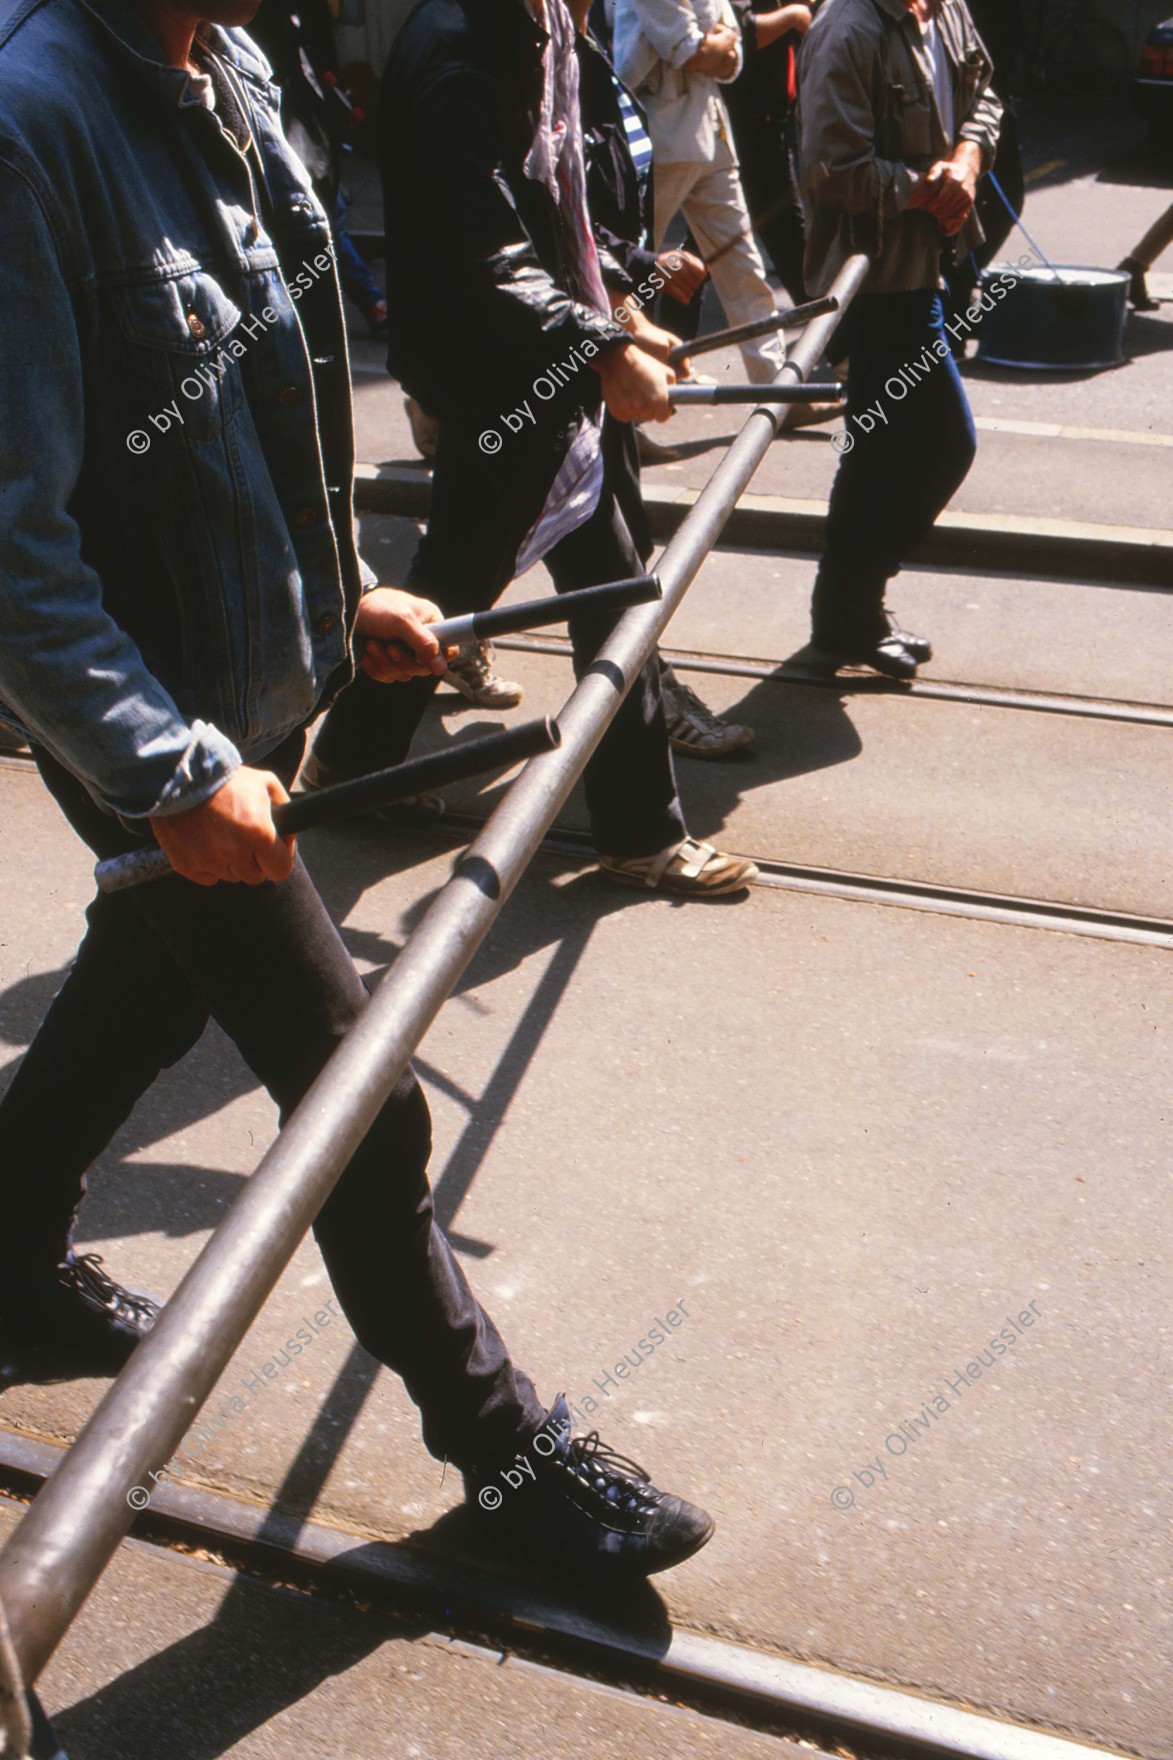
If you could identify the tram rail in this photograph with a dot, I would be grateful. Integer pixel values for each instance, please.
(1036, 702)
(727, 1681)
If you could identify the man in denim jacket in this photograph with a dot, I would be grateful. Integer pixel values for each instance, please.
(180, 593)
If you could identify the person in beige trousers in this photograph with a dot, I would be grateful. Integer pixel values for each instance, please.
(675, 55)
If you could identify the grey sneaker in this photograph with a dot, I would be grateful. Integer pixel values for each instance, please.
(692, 726)
(473, 675)
(315, 775)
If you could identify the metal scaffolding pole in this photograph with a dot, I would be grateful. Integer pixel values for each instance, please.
(59, 1551)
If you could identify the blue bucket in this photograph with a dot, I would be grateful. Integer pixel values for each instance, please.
(1068, 320)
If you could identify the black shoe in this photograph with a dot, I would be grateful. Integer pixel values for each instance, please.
(919, 647)
(889, 656)
(600, 1508)
(74, 1321)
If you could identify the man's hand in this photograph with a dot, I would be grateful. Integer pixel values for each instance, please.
(948, 189)
(717, 54)
(391, 636)
(683, 274)
(635, 386)
(232, 836)
(648, 336)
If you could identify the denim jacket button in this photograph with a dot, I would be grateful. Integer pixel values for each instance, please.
(326, 624)
(290, 394)
(197, 326)
(305, 516)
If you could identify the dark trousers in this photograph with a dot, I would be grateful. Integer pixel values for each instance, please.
(464, 562)
(267, 963)
(900, 471)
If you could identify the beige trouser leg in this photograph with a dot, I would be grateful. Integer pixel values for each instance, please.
(714, 206)
(1155, 241)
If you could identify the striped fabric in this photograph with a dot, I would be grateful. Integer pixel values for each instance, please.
(638, 141)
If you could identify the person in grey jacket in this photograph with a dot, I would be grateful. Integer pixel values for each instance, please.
(897, 124)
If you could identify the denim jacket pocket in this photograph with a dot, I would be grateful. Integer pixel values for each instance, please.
(178, 326)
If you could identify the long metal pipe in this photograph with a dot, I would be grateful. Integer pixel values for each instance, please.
(57, 1554)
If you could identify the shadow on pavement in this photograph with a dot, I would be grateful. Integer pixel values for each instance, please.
(263, 1653)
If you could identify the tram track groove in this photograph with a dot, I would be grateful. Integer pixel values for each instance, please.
(732, 1682)
(1011, 909)
(859, 683)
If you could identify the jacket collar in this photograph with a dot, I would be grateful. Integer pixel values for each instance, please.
(134, 41)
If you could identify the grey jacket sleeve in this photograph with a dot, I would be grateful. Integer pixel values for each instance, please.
(983, 125)
(837, 132)
(69, 674)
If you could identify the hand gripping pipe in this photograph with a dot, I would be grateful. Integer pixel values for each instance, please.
(56, 1555)
(467, 759)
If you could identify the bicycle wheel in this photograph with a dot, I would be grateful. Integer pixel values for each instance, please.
(1084, 57)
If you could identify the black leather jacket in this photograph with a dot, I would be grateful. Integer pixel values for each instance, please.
(620, 210)
(481, 294)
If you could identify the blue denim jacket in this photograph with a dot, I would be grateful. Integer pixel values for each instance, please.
(178, 571)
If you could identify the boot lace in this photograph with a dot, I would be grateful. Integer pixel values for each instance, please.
(617, 1481)
(85, 1274)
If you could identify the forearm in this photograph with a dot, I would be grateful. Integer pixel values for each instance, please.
(769, 26)
(982, 128)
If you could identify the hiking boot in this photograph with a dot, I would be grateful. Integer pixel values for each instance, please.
(589, 1503)
(74, 1319)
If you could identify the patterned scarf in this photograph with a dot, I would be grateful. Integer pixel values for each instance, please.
(556, 158)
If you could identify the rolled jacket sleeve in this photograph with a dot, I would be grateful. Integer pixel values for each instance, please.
(69, 675)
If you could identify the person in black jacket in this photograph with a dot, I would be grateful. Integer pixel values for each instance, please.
(620, 204)
(501, 327)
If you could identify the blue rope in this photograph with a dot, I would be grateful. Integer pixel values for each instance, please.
(1017, 219)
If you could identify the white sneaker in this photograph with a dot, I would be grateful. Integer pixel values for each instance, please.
(472, 674)
(692, 869)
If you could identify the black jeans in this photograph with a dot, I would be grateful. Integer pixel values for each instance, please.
(267, 963)
(464, 562)
(910, 442)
